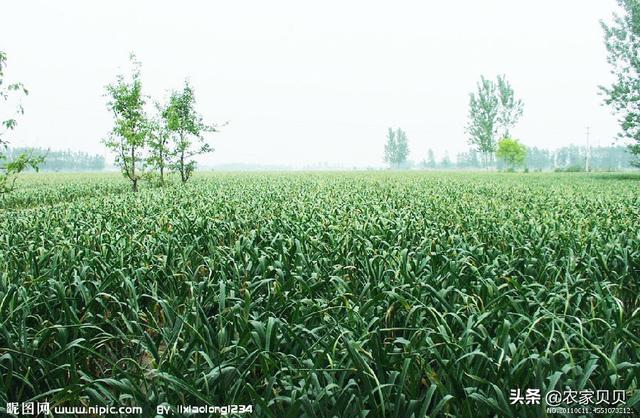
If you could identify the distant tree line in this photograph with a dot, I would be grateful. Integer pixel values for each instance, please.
(569, 158)
(573, 158)
(61, 160)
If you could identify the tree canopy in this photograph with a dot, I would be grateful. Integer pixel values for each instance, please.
(186, 128)
(10, 167)
(493, 111)
(512, 152)
(396, 150)
(622, 39)
(128, 136)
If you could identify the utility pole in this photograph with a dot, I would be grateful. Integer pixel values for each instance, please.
(588, 151)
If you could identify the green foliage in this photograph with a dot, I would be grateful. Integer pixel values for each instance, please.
(129, 134)
(493, 110)
(483, 113)
(510, 109)
(167, 141)
(396, 150)
(468, 159)
(10, 168)
(394, 294)
(446, 161)
(159, 145)
(512, 152)
(610, 158)
(431, 159)
(5, 93)
(622, 40)
(570, 169)
(186, 128)
(62, 160)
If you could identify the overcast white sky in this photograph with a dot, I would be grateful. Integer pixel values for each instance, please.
(310, 82)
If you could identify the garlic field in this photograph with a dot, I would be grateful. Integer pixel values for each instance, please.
(375, 294)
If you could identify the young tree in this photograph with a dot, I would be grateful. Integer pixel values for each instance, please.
(396, 150)
(446, 161)
(493, 111)
(402, 147)
(186, 128)
(510, 109)
(622, 39)
(483, 114)
(10, 168)
(158, 142)
(473, 159)
(431, 159)
(512, 152)
(390, 147)
(467, 159)
(129, 134)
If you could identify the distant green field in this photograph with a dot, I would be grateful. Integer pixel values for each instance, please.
(321, 294)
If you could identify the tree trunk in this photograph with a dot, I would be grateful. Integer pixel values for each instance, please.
(183, 173)
(134, 180)
(161, 163)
